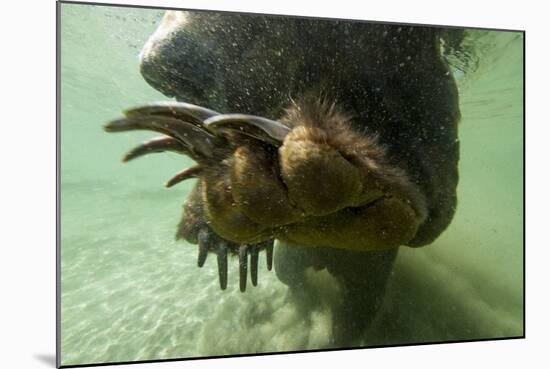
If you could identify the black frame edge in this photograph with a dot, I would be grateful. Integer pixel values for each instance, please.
(58, 183)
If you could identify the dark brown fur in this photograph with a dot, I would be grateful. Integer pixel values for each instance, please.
(389, 98)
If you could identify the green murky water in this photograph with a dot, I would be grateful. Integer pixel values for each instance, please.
(130, 292)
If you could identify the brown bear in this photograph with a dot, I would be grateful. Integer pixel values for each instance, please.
(336, 138)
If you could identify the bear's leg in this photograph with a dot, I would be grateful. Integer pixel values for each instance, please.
(363, 277)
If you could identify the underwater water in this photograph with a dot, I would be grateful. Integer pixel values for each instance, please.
(129, 291)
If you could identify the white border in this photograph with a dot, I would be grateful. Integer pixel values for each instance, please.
(419, 11)
(27, 200)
